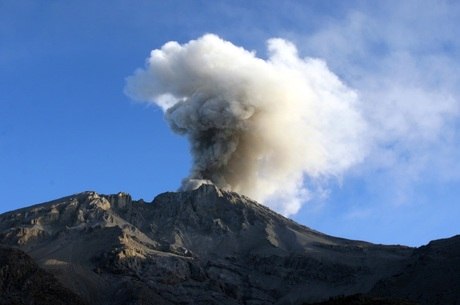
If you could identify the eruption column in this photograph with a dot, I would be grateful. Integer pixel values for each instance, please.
(259, 127)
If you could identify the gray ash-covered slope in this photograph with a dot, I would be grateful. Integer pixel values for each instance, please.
(200, 247)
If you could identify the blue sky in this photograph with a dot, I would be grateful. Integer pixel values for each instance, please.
(66, 126)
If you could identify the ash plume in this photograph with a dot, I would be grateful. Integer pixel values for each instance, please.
(259, 127)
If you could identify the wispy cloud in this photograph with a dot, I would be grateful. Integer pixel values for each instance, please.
(402, 59)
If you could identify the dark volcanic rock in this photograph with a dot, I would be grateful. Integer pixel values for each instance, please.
(362, 300)
(431, 276)
(22, 282)
(201, 247)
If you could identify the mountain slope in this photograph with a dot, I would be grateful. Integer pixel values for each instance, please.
(23, 282)
(431, 275)
(205, 246)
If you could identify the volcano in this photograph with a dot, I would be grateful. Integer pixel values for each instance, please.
(210, 246)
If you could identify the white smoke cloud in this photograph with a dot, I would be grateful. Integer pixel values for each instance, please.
(260, 127)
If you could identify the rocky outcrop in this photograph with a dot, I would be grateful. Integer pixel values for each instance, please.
(206, 246)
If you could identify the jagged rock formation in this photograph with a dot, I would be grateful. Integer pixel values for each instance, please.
(200, 247)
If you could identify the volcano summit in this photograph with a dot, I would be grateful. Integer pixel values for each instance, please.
(210, 246)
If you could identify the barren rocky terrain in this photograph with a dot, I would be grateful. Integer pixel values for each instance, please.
(23, 282)
(210, 246)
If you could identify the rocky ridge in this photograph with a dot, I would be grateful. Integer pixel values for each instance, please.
(206, 246)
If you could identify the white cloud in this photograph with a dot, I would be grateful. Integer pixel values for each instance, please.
(401, 59)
